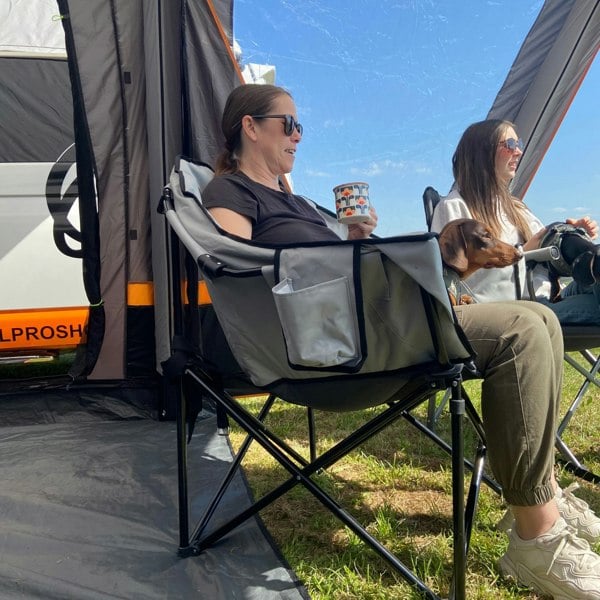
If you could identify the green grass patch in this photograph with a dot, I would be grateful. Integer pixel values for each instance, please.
(397, 485)
(48, 364)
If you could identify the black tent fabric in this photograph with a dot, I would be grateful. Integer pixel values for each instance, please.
(89, 512)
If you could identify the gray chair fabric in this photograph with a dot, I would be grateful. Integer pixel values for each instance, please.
(284, 330)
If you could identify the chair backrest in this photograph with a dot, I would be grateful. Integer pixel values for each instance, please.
(431, 199)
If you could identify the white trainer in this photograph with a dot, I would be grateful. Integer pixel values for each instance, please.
(575, 511)
(557, 563)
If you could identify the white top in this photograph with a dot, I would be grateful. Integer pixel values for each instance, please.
(496, 284)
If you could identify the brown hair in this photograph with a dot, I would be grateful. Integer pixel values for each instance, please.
(474, 170)
(248, 99)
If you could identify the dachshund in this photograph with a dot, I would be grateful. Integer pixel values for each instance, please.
(467, 245)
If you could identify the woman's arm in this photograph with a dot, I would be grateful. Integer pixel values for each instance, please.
(586, 223)
(535, 240)
(232, 222)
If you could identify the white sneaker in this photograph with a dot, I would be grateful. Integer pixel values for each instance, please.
(557, 563)
(578, 514)
(575, 511)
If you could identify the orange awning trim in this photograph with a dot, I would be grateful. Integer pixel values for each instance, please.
(142, 293)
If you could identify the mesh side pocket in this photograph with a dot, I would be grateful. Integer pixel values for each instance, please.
(319, 323)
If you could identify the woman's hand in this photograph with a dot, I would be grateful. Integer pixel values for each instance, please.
(533, 243)
(360, 231)
(586, 223)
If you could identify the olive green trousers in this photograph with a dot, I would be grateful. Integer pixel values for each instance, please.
(519, 350)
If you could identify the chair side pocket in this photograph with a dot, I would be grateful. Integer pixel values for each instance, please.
(319, 323)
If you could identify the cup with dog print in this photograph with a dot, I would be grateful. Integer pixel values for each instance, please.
(352, 202)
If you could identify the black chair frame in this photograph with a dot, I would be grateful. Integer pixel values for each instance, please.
(194, 542)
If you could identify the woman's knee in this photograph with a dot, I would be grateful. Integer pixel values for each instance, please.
(517, 328)
(551, 324)
(536, 326)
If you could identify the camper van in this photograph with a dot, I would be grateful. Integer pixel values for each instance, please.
(43, 306)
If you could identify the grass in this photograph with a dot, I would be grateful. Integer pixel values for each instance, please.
(398, 485)
(43, 364)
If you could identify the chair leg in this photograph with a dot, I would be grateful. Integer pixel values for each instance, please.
(182, 481)
(590, 377)
(310, 413)
(435, 410)
(457, 412)
(477, 424)
(477, 477)
(471, 466)
(477, 468)
(227, 479)
(570, 462)
(300, 473)
(222, 421)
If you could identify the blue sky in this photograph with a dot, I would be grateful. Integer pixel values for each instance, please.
(384, 90)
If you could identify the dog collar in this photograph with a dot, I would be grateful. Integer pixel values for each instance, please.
(453, 283)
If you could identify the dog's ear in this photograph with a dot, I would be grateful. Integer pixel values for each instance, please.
(453, 247)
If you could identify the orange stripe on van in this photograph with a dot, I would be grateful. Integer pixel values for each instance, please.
(50, 328)
(64, 327)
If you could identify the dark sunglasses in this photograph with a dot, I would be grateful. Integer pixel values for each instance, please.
(512, 144)
(289, 123)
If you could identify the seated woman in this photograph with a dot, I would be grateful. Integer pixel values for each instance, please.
(518, 345)
(483, 165)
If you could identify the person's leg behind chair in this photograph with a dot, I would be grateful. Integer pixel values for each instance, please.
(520, 354)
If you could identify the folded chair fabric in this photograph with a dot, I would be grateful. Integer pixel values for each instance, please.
(319, 311)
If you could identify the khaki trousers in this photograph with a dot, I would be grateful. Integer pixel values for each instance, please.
(520, 355)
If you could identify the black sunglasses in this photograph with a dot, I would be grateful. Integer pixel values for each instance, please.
(289, 123)
(512, 144)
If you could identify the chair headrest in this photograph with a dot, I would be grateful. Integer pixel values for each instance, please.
(431, 199)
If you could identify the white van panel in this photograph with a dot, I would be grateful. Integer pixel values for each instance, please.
(33, 272)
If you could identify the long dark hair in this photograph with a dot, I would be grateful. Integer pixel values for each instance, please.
(474, 170)
(248, 99)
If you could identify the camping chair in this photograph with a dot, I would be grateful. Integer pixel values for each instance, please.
(579, 341)
(336, 326)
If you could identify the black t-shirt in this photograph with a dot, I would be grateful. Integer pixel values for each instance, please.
(277, 217)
